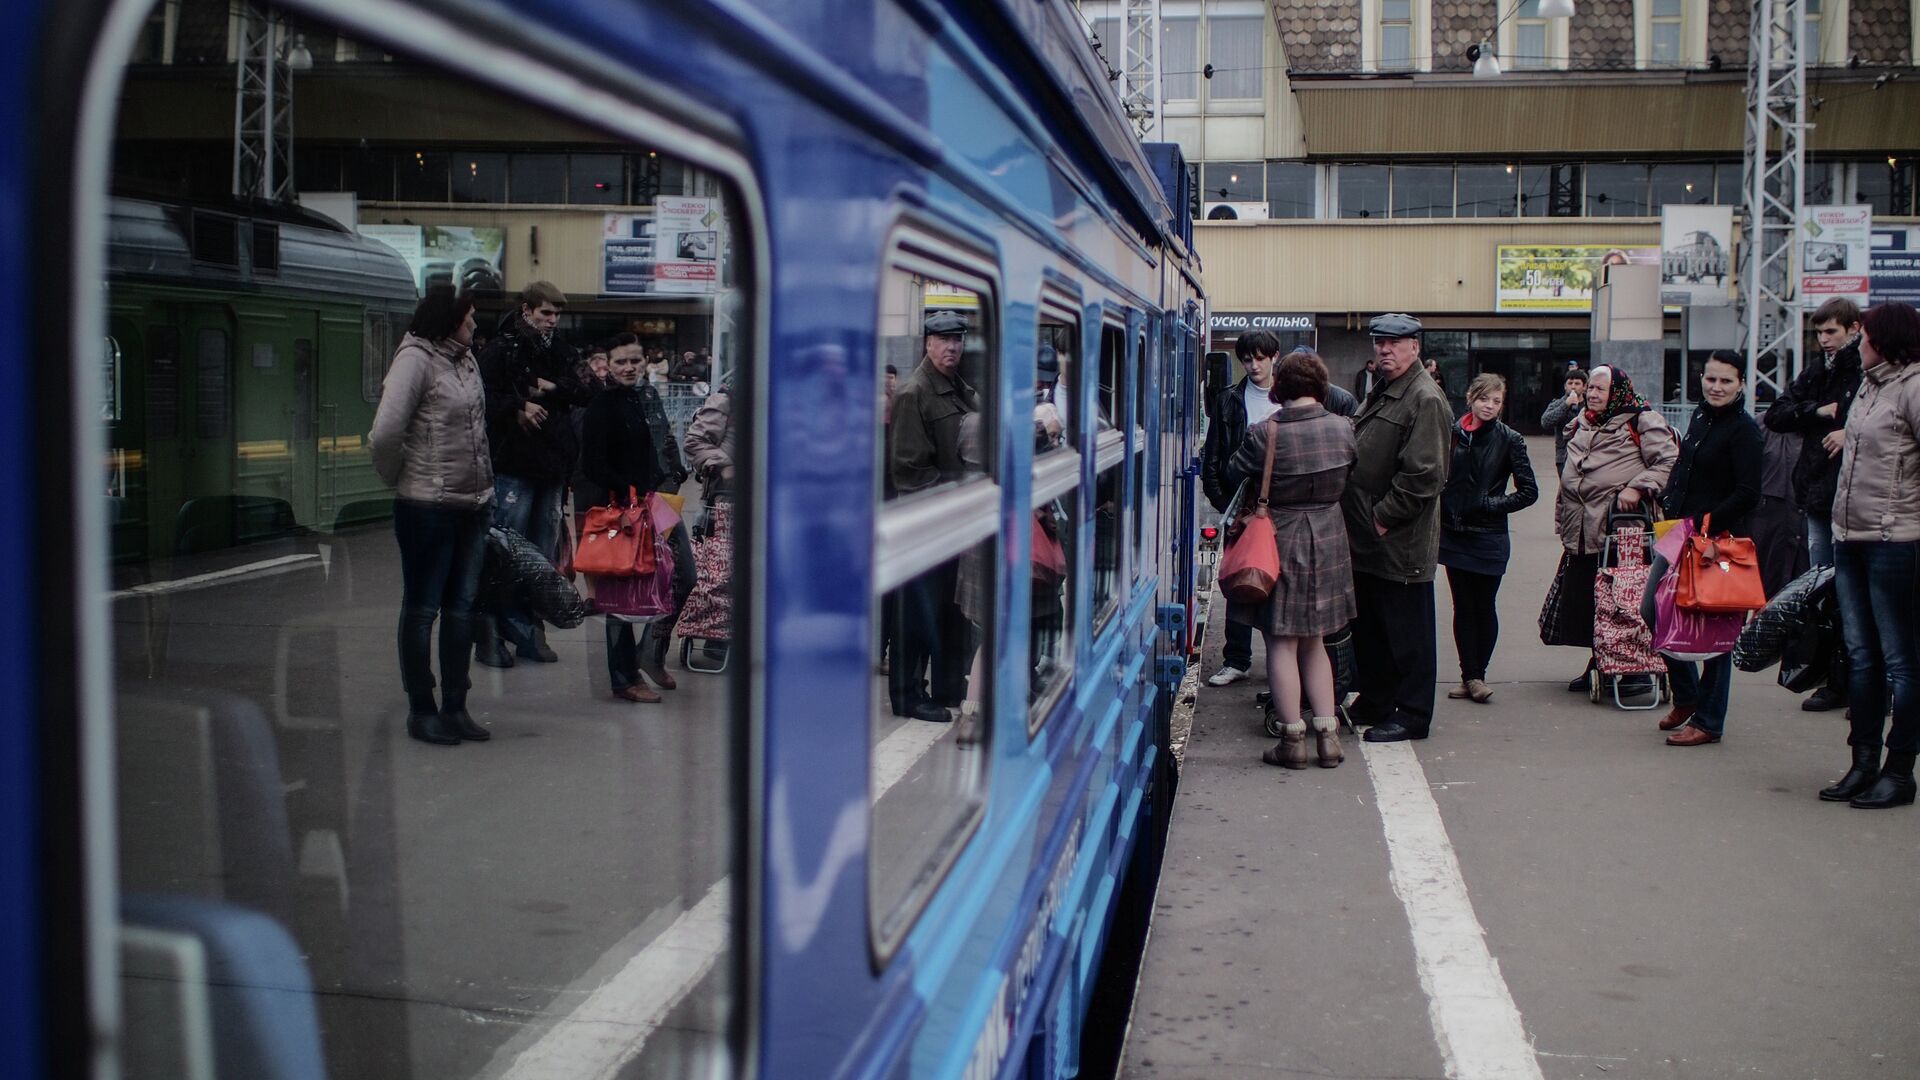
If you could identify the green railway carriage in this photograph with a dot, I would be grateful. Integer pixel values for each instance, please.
(246, 349)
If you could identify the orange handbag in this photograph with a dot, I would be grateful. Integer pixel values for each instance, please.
(1719, 573)
(1250, 567)
(616, 541)
(1049, 557)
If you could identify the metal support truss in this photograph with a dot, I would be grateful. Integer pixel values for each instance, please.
(1774, 188)
(262, 107)
(1140, 65)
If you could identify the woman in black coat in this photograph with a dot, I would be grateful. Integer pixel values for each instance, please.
(1718, 475)
(617, 453)
(1474, 545)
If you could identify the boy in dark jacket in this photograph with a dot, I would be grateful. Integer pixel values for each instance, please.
(1239, 407)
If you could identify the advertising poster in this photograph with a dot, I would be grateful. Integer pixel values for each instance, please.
(1558, 277)
(686, 238)
(1835, 242)
(626, 254)
(1696, 255)
(467, 257)
(1895, 265)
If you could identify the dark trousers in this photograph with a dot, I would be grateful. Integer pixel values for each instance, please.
(1476, 624)
(1707, 686)
(441, 552)
(1238, 649)
(1394, 644)
(933, 642)
(1874, 582)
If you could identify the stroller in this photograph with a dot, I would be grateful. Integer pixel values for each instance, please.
(1622, 641)
(708, 616)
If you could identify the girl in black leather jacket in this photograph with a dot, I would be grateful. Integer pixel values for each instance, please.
(1474, 545)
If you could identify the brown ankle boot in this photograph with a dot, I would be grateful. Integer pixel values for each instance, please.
(1291, 751)
(1326, 741)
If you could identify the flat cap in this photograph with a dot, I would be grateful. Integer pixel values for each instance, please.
(1047, 365)
(943, 322)
(1393, 325)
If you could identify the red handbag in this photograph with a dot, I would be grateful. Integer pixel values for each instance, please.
(1250, 567)
(1719, 573)
(1049, 558)
(616, 541)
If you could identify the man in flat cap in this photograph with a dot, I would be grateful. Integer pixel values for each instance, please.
(1392, 510)
(933, 638)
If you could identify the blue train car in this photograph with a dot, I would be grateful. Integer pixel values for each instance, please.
(927, 320)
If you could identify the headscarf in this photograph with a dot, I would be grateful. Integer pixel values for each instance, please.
(1621, 398)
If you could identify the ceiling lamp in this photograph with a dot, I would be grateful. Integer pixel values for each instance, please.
(1485, 66)
(1556, 9)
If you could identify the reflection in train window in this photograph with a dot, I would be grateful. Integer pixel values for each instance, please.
(1113, 356)
(938, 378)
(1107, 504)
(1056, 510)
(315, 407)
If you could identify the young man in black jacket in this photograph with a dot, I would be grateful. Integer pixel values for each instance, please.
(1815, 408)
(1239, 407)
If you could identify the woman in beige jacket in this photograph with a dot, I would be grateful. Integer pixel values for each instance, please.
(1876, 534)
(429, 441)
(1621, 454)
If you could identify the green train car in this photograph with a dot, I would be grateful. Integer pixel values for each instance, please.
(246, 347)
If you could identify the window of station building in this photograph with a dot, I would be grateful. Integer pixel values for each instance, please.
(596, 179)
(1666, 27)
(1686, 183)
(422, 177)
(1423, 191)
(1729, 183)
(1396, 34)
(1530, 38)
(1236, 48)
(1550, 190)
(1618, 191)
(282, 767)
(1823, 183)
(480, 178)
(935, 564)
(1487, 191)
(1363, 191)
(1179, 57)
(1292, 189)
(537, 178)
(1234, 181)
(1887, 186)
(1053, 555)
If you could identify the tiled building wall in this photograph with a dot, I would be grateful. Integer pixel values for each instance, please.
(1880, 31)
(1457, 25)
(1319, 36)
(1727, 31)
(1601, 36)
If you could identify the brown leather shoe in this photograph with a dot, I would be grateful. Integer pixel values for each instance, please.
(1692, 736)
(639, 692)
(656, 672)
(1459, 693)
(1479, 691)
(1680, 715)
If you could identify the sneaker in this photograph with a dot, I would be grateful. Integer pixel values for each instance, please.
(1227, 676)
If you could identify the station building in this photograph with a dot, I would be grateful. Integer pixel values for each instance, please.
(1348, 162)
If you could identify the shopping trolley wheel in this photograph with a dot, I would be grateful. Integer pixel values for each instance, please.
(1666, 690)
(1272, 723)
(1593, 687)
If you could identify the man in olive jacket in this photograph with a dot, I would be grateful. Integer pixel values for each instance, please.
(1392, 510)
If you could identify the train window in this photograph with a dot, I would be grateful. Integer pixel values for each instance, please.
(1110, 460)
(1113, 357)
(1141, 411)
(935, 557)
(364, 744)
(1056, 506)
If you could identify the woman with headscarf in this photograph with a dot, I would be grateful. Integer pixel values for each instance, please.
(1621, 454)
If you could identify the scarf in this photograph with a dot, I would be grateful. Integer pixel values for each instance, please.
(1621, 398)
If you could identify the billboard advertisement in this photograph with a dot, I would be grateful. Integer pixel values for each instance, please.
(1835, 242)
(1696, 255)
(686, 244)
(626, 254)
(1895, 264)
(467, 257)
(1558, 277)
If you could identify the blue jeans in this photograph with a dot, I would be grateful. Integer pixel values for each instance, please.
(1706, 686)
(441, 553)
(1874, 582)
(533, 511)
(1819, 541)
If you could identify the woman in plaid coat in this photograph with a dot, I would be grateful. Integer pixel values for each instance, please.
(1314, 596)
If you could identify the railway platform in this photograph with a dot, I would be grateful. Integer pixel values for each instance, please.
(1543, 888)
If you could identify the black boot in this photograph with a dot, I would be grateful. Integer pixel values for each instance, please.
(454, 718)
(1895, 786)
(540, 651)
(1866, 769)
(431, 728)
(488, 649)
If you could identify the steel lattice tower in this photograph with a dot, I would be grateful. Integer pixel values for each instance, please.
(262, 107)
(1775, 193)
(1140, 64)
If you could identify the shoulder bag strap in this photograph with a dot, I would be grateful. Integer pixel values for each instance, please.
(1266, 470)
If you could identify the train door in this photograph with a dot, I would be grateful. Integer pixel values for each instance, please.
(273, 397)
(190, 430)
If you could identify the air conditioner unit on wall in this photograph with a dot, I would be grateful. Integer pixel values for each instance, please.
(1234, 211)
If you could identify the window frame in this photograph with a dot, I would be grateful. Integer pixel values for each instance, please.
(77, 725)
(1057, 476)
(1692, 23)
(916, 533)
(1507, 47)
(1109, 451)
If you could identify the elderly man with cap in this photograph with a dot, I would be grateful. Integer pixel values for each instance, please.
(1392, 510)
(933, 637)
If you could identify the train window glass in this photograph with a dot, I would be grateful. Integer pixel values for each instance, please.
(537, 178)
(1113, 355)
(937, 347)
(480, 178)
(302, 588)
(1107, 504)
(1056, 504)
(1141, 405)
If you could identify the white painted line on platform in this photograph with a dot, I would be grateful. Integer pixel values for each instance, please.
(263, 568)
(598, 1037)
(1475, 1021)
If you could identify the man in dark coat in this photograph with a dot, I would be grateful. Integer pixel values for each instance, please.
(1392, 508)
(1815, 408)
(532, 387)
